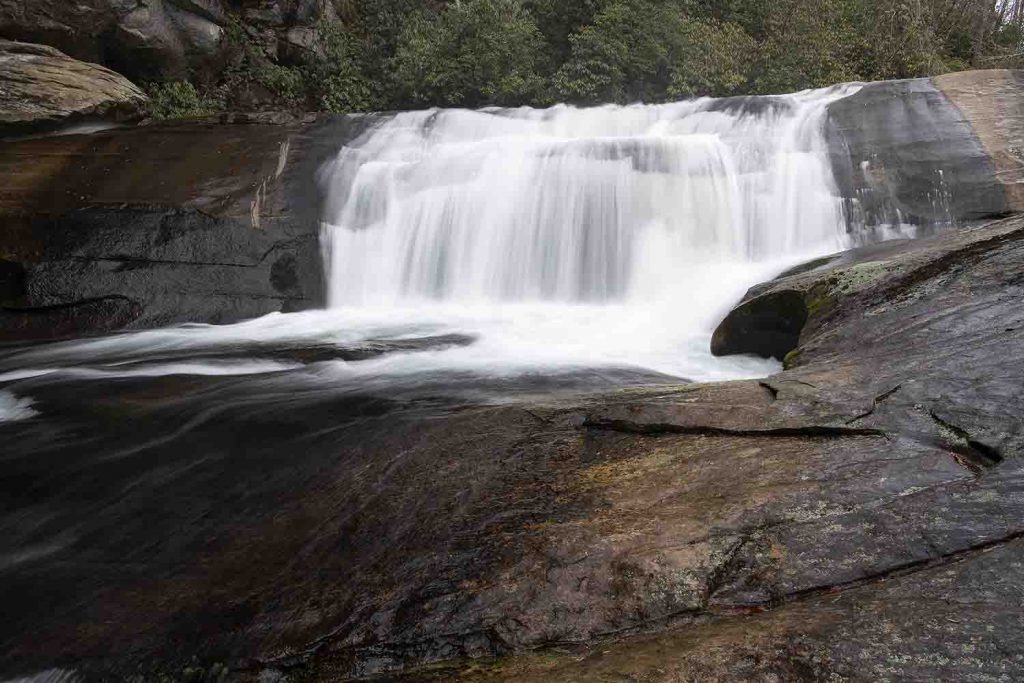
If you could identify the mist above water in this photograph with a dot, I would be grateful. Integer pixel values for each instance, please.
(591, 243)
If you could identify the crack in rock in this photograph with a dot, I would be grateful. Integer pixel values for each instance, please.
(974, 455)
(812, 431)
(875, 403)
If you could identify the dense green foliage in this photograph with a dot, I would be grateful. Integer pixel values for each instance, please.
(177, 100)
(651, 50)
(393, 54)
(475, 52)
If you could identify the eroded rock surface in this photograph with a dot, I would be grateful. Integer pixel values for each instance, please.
(991, 101)
(198, 222)
(856, 517)
(930, 151)
(42, 88)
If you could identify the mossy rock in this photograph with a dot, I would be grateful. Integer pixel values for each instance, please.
(768, 326)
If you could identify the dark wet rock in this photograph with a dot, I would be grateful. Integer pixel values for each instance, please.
(938, 622)
(857, 517)
(42, 89)
(199, 222)
(911, 152)
(73, 319)
(768, 326)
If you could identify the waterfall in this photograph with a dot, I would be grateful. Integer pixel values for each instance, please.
(517, 250)
(599, 205)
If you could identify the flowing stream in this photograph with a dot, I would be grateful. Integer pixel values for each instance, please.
(594, 246)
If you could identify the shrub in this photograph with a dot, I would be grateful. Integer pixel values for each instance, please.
(180, 100)
(335, 77)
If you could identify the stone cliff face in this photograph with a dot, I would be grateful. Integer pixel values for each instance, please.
(162, 224)
(931, 151)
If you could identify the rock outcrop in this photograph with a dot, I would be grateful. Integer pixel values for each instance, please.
(152, 40)
(42, 89)
(156, 225)
(158, 40)
(930, 151)
(991, 101)
(859, 516)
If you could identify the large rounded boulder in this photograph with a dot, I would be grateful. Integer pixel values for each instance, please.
(42, 89)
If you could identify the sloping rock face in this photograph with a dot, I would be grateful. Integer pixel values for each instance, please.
(151, 226)
(41, 88)
(930, 151)
(859, 516)
(991, 101)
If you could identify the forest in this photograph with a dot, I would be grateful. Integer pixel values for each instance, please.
(366, 55)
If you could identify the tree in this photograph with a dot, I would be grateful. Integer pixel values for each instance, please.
(651, 50)
(807, 44)
(715, 60)
(558, 20)
(472, 53)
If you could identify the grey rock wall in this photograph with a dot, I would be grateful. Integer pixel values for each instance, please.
(157, 225)
(911, 151)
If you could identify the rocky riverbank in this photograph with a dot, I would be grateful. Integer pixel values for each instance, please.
(857, 516)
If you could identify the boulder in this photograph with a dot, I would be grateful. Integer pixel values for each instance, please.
(76, 28)
(151, 40)
(768, 326)
(43, 89)
(163, 41)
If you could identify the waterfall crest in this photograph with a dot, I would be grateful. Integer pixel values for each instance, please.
(601, 205)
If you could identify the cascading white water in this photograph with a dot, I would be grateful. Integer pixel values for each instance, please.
(587, 247)
(616, 235)
(576, 205)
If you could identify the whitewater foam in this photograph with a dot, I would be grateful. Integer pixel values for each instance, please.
(557, 240)
(14, 408)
